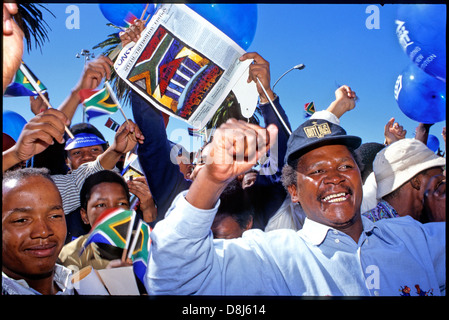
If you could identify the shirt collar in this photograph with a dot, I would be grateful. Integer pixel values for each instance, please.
(315, 232)
(368, 225)
(62, 278)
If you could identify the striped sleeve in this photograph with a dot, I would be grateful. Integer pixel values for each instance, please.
(69, 185)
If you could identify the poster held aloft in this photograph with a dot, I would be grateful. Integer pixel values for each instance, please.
(185, 66)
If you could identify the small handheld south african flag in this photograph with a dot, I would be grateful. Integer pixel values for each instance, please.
(97, 102)
(309, 109)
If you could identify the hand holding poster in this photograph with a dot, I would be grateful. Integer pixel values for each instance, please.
(183, 65)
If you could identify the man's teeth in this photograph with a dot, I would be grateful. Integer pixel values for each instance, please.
(337, 197)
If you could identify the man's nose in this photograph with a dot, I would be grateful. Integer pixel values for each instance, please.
(334, 176)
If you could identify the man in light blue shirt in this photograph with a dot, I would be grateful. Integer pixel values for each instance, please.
(337, 252)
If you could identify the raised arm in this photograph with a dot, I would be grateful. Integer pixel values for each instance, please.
(345, 99)
(126, 138)
(393, 132)
(163, 176)
(36, 136)
(260, 69)
(422, 132)
(183, 258)
(236, 147)
(94, 72)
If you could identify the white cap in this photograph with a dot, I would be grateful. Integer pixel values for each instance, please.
(401, 161)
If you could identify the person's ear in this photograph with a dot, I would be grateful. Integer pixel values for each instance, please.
(84, 216)
(416, 183)
(68, 162)
(292, 190)
(250, 223)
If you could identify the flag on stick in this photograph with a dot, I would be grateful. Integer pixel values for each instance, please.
(309, 109)
(197, 132)
(21, 86)
(97, 102)
(33, 81)
(111, 124)
(140, 249)
(130, 18)
(114, 98)
(112, 227)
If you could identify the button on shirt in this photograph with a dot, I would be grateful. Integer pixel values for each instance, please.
(390, 255)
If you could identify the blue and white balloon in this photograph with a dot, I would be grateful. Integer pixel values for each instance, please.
(421, 31)
(420, 97)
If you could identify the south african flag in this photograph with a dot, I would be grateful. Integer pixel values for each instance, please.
(309, 109)
(112, 227)
(97, 102)
(141, 250)
(21, 86)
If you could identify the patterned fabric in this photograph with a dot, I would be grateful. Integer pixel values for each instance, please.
(383, 210)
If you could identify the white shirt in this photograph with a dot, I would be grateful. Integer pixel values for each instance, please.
(62, 278)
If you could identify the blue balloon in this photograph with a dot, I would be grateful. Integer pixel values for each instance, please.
(116, 13)
(237, 21)
(421, 31)
(420, 97)
(13, 124)
(433, 143)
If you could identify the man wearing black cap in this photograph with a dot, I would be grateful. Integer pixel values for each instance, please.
(329, 173)
(337, 252)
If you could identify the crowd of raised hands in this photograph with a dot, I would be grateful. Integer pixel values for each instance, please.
(40, 210)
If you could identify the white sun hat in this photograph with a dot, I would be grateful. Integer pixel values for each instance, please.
(401, 161)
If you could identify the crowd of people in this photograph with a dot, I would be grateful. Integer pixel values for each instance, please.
(258, 211)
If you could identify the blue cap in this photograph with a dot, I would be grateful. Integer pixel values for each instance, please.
(83, 140)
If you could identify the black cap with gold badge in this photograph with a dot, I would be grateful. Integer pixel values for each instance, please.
(316, 133)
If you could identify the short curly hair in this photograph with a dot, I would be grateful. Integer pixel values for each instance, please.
(97, 178)
(24, 173)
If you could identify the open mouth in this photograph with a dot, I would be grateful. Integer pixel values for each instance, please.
(336, 197)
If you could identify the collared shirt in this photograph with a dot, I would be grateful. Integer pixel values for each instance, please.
(383, 210)
(61, 277)
(389, 257)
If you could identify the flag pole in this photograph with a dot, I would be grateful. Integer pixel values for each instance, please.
(146, 19)
(143, 13)
(134, 242)
(274, 108)
(36, 87)
(128, 236)
(113, 96)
